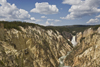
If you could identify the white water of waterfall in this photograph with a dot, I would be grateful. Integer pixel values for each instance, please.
(73, 41)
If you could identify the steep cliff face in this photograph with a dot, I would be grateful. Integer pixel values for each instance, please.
(87, 53)
(67, 35)
(37, 47)
(31, 47)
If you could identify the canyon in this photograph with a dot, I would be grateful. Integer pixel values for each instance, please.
(36, 47)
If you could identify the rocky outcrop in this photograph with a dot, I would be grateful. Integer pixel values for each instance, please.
(87, 53)
(78, 37)
(67, 35)
(89, 57)
(32, 47)
(37, 47)
(98, 30)
(1, 32)
(88, 32)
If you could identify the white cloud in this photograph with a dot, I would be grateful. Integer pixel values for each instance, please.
(38, 20)
(57, 20)
(47, 23)
(96, 20)
(51, 21)
(98, 16)
(11, 12)
(35, 20)
(71, 2)
(93, 20)
(3, 2)
(32, 18)
(43, 17)
(45, 8)
(82, 8)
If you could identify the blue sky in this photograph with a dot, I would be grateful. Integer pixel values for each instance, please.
(51, 12)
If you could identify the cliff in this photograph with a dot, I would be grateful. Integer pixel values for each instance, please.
(31, 47)
(87, 52)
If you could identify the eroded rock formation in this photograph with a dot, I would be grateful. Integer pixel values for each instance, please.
(31, 47)
(37, 47)
(87, 53)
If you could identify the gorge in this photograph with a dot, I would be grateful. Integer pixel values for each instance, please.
(61, 59)
(31, 45)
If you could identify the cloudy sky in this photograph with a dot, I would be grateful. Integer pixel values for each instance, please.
(51, 12)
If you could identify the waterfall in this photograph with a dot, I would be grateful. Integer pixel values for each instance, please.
(73, 41)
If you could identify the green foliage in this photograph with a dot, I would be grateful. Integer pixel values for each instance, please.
(95, 27)
(15, 24)
(76, 28)
(2, 63)
(73, 33)
(46, 44)
(59, 28)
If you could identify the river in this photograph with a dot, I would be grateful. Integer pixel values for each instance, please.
(61, 63)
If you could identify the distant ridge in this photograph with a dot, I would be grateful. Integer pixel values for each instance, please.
(68, 28)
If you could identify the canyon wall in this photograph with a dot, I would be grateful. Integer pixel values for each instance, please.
(31, 47)
(87, 52)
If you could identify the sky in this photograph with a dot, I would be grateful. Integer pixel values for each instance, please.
(51, 12)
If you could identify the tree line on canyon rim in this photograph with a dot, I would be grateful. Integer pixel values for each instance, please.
(67, 28)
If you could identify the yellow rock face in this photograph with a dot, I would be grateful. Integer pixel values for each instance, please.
(32, 47)
(87, 53)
